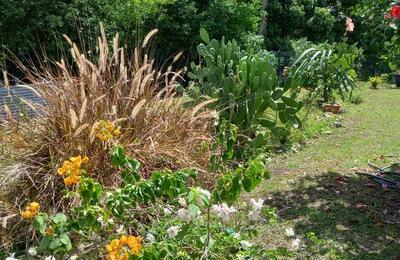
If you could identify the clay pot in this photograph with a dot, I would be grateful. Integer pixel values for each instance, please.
(333, 108)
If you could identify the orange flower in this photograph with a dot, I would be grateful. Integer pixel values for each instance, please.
(71, 169)
(105, 130)
(49, 231)
(31, 210)
(120, 249)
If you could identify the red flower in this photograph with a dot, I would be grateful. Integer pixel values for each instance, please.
(396, 11)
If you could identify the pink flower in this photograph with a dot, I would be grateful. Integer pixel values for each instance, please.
(387, 15)
(349, 24)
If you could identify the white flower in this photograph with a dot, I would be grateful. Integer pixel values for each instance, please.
(245, 244)
(50, 257)
(236, 235)
(296, 243)
(184, 215)
(120, 230)
(289, 232)
(73, 257)
(110, 221)
(257, 204)
(150, 237)
(167, 211)
(173, 231)
(254, 215)
(205, 193)
(223, 211)
(32, 251)
(101, 220)
(182, 202)
(11, 257)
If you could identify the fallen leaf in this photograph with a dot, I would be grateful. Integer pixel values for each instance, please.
(341, 227)
(361, 206)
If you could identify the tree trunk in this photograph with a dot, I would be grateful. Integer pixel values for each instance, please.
(325, 94)
(263, 24)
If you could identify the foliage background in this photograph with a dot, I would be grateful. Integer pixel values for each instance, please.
(41, 24)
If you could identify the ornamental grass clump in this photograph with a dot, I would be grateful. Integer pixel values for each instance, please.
(90, 103)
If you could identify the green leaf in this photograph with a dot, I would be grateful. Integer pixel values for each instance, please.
(253, 175)
(191, 75)
(289, 101)
(59, 218)
(64, 239)
(132, 164)
(273, 105)
(284, 116)
(281, 106)
(204, 36)
(295, 121)
(118, 157)
(54, 244)
(193, 209)
(300, 105)
(45, 242)
(277, 94)
(266, 122)
(40, 223)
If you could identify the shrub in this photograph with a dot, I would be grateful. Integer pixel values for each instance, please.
(320, 26)
(326, 72)
(375, 81)
(184, 18)
(159, 217)
(392, 54)
(356, 98)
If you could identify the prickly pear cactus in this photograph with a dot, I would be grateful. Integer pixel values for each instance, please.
(246, 86)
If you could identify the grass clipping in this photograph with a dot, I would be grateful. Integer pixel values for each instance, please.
(155, 127)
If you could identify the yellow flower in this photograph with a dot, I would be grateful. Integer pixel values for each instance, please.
(31, 210)
(34, 205)
(117, 132)
(105, 130)
(27, 214)
(135, 243)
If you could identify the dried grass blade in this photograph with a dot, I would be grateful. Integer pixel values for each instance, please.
(148, 37)
(73, 117)
(137, 108)
(80, 129)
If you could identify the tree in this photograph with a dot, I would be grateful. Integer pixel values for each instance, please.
(263, 23)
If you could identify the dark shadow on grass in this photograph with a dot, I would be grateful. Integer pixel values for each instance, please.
(352, 217)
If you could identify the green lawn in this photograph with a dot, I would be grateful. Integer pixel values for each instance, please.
(334, 212)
